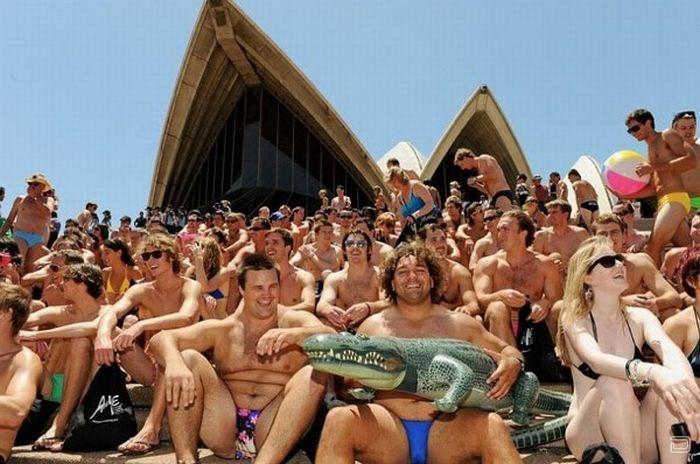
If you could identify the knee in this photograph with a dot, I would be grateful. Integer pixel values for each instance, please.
(339, 422)
(80, 346)
(193, 359)
(497, 312)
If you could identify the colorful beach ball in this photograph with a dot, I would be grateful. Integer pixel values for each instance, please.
(619, 172)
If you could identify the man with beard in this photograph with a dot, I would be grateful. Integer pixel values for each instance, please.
(259, 397)
(410, 428)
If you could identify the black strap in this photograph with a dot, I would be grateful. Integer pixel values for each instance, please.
(595, 331)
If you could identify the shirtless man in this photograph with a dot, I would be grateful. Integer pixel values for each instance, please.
(671, 264)
(558, 190)
(297, 286)
(168, 302)
(321, 257)
(559, 241)
(647, 287)
(237, 236)
(685, 123)
(341, 201)
(30, 218)
(50, 276)
(669, 157)
(470, 232)
(300, 228)
(260, 398)
(635, 241)
(84, 219)
(68, 369)
(352, 294)
(386, 431)
(259, 227)
(458, 293)
(488, 244)
(20, 368)
(379, 250)
(452, 215)
(345, 221)
(490, 174)
(516, 278)
(586, 198)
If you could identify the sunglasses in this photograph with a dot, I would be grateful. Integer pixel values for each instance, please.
(355, 243)
(634, 129)
(607, 261)
(256, 228)
(490, 218)
(683, 115)
(346, 216)
(231, 221)
(54, 268)
(146, 255)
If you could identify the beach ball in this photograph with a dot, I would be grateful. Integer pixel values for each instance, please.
(619, 175)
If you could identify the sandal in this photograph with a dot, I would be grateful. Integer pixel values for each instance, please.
(142, 447)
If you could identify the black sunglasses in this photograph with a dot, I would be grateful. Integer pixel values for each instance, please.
(490, 218)
(256, 228)
(606, 261)
(634, 129)
(683, 115)
(157, 254)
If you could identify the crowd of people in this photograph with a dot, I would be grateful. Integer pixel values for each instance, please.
(211, 309)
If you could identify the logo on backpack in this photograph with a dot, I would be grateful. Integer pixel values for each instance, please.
(108, 401)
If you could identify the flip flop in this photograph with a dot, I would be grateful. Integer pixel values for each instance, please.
(144, 447)
(46, 443)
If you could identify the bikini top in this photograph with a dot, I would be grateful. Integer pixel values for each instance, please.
(586, 370)
(414, 204)
(126, 283)
(694, 356)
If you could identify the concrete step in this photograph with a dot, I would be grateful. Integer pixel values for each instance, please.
(164, 455)
(141, 397)
(24, 455)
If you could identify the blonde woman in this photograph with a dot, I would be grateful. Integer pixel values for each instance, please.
(217, 281)
(601, 340)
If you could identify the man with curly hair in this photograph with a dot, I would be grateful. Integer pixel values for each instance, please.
(410, 428)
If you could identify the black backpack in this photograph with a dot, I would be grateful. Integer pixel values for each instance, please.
(105, 418)
(536, 344)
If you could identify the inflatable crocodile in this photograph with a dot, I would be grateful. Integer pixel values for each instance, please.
(452, 373)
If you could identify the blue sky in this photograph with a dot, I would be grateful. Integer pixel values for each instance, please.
(84, 84)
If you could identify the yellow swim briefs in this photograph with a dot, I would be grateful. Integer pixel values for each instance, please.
(681, 198)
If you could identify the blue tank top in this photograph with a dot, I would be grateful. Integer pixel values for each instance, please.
(413, 204)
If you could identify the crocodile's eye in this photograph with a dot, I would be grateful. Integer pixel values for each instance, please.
(362, 337)
(345, 334)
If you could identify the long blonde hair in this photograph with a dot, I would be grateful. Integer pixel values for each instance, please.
(578, 295)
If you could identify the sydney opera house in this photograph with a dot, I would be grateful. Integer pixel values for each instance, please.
(245, 124)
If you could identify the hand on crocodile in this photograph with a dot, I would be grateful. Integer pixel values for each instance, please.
(504, 376)
(444, 405)
(275, 340)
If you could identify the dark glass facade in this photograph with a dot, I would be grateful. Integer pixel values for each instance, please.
(265, 155)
